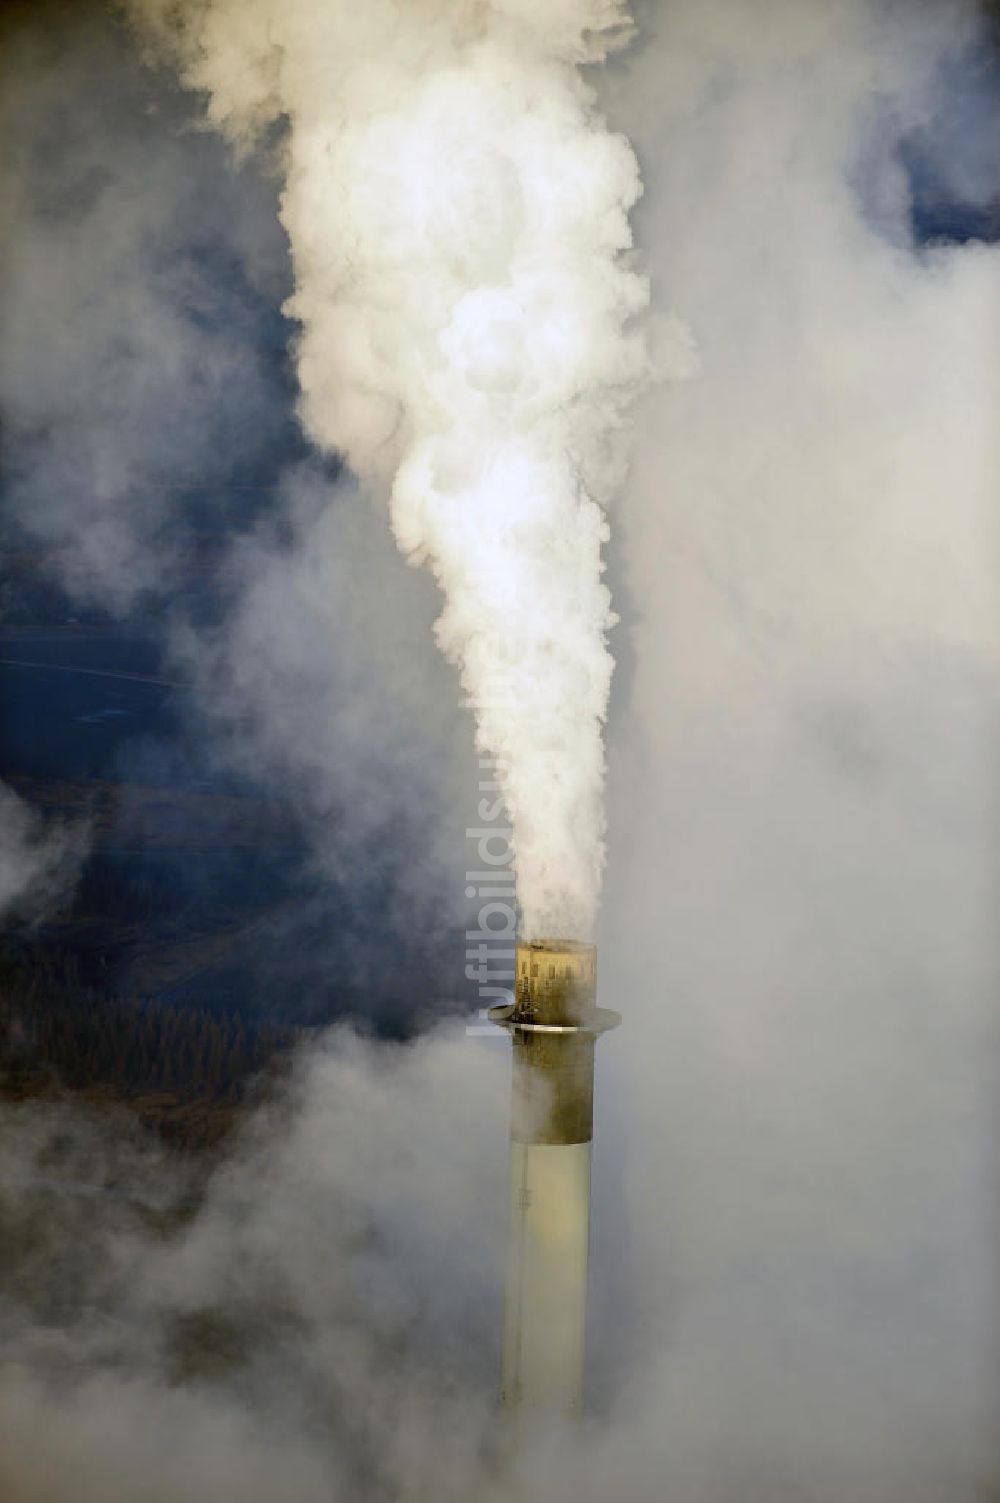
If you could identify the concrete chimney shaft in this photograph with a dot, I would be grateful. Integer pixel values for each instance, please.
(554, 1024)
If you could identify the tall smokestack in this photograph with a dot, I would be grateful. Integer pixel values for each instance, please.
(470, 344)
(554, 1023)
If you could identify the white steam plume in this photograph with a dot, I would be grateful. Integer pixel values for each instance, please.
(457, 216)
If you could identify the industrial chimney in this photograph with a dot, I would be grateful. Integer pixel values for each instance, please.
(554, 1023)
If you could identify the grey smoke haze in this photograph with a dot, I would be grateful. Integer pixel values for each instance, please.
(801, 896)
(301, 1337)
(795, 1178)
(154, 415)
(39, 859)
(323, 671)
(125, 368)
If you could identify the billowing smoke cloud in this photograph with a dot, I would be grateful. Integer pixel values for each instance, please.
(456, 210)
(803, 784)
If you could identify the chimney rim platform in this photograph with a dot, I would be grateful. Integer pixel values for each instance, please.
(599, 1020)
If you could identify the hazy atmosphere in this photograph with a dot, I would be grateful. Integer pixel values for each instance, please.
(424, 420)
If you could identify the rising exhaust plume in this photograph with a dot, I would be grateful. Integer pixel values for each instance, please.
(457, 215)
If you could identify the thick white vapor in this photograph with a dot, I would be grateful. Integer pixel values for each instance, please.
(457, 213)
